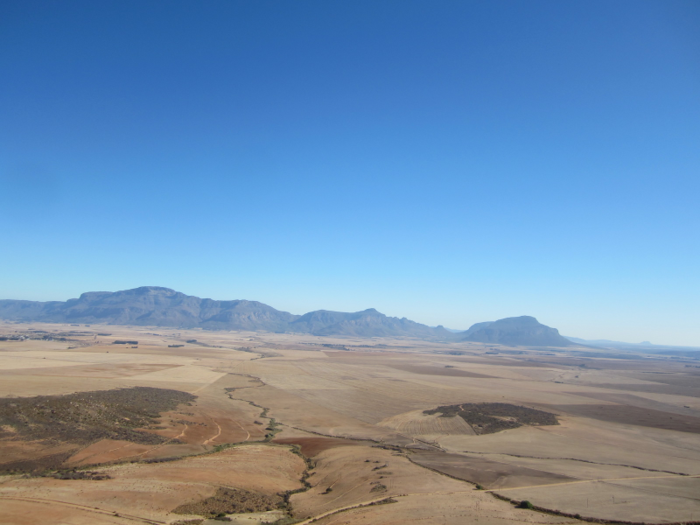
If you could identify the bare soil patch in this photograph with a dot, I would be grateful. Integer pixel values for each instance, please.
(490, 474)
(653, 388)
(690, 379)
(508, 361)
(638, 401)
(232, 501)
(631, 415)
(109, 451)
(39, 463)
(488, 418)
(311, 446)
(417, 423)
(438, 371)
(106, 371)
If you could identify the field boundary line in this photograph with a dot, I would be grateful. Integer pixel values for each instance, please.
(348, 507)
(85, 508)
(576, 459)
(591, 481)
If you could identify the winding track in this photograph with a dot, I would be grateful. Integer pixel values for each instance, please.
(216, 436)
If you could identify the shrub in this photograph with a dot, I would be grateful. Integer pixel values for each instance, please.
(525, 504)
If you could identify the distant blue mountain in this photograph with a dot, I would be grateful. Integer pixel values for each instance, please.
(158, 306)
(636, 347)
(515, 331)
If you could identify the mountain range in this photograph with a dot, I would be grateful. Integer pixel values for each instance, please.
(644, 346)
(157, 306)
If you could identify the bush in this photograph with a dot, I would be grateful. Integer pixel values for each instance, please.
(525, 504)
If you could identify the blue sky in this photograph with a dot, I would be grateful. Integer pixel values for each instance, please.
(450, 162)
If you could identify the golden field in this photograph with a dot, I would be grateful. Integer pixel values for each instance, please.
(333, 430)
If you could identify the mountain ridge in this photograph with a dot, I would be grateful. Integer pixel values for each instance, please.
(160, 306)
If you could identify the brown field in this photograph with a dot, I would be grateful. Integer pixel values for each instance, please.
(312, 446)
(632, 415)
(437, 371)
(488, 473)
(277, 427)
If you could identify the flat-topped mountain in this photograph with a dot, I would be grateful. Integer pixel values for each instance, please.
(520, 331)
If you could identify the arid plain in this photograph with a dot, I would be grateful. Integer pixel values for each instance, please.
(278, 428)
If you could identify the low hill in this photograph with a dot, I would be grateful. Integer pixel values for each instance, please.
(516, 331)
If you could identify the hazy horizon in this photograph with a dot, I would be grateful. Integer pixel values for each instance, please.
(399, 315)
(447, 162)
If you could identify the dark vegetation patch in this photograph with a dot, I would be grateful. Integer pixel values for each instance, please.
(36, 336)
(487, 418)
(86, 417)
(80, 474)
(232, 501)
(272, 429)
(631, 415)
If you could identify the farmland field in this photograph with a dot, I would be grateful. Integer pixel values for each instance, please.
(263, 427)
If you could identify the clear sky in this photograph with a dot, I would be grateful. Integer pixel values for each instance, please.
(447, 161)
